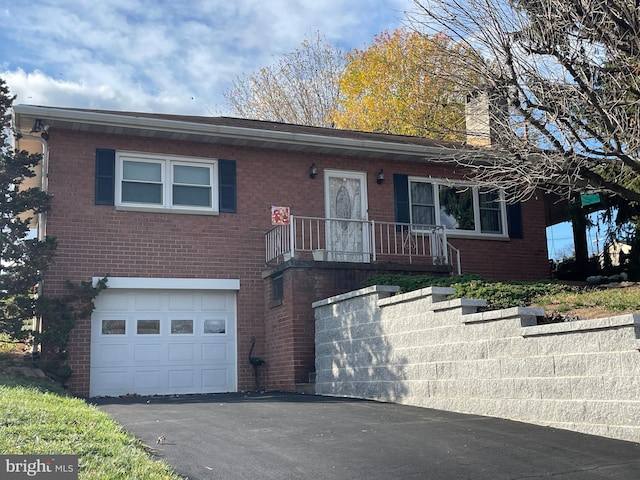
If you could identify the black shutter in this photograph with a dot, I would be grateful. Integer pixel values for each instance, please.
(401, 198)
(105, 176)
(227, 185)
(514, 220)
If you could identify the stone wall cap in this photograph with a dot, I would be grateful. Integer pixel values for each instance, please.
(503, 314)
(629, 320)
(415, 294)
(382, 290)
(459, 303)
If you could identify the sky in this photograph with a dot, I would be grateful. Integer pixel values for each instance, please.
(176, 56)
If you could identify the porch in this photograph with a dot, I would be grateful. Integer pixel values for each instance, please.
(360, 241)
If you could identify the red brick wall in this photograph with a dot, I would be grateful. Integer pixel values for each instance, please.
(97, 240)
(290, 324)
(523, 258)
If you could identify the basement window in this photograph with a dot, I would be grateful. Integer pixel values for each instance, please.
(277, 290)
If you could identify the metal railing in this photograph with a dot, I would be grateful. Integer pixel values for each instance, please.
(336, 239)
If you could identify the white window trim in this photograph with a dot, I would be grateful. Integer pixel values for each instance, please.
(166, 283)
(437, 182)
(166, 162)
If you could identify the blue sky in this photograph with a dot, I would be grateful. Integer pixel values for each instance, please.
(166, 56)
(560, 239)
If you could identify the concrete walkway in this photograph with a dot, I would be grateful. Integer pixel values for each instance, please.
(289, 436)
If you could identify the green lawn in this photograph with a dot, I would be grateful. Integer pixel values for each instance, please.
(37, 417)
(593, 302)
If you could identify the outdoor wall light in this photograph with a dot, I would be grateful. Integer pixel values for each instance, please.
(41, 126)
(313, 171)
(380, 177)
(45, 131)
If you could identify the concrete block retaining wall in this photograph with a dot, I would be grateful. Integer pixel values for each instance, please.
(421, 349)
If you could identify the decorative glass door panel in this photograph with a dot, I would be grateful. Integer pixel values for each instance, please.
(346, 211)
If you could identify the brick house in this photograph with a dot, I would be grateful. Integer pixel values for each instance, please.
(214, 231)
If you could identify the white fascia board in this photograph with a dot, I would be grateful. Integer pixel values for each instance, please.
(160, 124)
(170, 283)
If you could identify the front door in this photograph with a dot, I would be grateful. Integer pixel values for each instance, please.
(346, 211)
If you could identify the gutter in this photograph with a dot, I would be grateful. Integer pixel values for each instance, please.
(123, 121)
(41, 228)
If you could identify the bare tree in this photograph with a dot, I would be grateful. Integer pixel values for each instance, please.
(563, 80)
(300, 88)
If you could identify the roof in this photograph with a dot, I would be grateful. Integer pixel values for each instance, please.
(240, 132)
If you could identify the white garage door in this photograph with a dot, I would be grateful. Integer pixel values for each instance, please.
(150, 342)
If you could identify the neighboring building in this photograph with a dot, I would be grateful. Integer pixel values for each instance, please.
(214, 231)
(616, 253)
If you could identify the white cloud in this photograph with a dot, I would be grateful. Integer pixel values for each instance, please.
(166, 56)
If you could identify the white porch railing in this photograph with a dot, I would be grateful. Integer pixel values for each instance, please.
(333, 239)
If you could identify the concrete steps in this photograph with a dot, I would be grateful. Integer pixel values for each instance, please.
(306, 388)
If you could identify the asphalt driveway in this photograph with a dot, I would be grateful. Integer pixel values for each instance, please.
(289, 436)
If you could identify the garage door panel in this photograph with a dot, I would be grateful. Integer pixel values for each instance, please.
(148, 301)
(218, 303)
(146, 381)
(182, 379)
(182, 302)
(214, 378)
(163, 342)
(114, 381)
(106, 303)
(150, 353)
(215, 352)
(113, 354)
(182, 352)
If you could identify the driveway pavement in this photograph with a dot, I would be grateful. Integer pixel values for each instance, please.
(289, 436)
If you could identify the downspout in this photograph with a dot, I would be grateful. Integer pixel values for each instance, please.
(41, 228)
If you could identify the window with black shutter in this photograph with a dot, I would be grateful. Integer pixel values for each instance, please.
(154, 182)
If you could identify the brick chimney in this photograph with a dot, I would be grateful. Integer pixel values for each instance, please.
(485, 117)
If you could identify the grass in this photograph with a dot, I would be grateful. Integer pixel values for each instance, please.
(593, 302)
(37, 417)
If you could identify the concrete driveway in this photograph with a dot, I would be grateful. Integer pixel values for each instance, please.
(289, 436)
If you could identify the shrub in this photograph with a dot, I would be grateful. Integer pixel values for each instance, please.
(497, 294)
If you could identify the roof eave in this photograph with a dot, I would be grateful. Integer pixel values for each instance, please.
(24, 115)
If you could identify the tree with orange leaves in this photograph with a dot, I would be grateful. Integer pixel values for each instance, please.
(401, 84)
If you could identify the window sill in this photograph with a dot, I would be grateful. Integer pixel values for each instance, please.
(477, 236)
(177, 211)
(275, 303)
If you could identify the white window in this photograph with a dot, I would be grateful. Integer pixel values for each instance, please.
(215, 326)
(114, 327)
(181, 327)
(146, 181)
(461, 208)
(148, 327)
